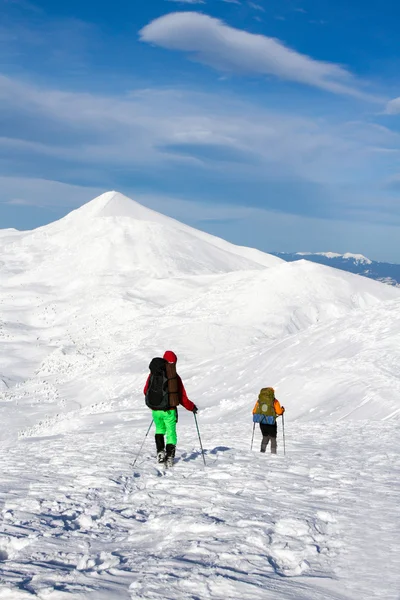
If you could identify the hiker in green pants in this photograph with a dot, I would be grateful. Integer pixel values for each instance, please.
(164, 392)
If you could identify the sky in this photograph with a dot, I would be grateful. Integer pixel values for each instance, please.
(273, 124)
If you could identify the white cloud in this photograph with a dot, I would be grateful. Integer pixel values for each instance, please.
(224, 48)
(257, 6)
(163, 133)
(393, 107)
(155, 127)
(158, 135)
(149, 127)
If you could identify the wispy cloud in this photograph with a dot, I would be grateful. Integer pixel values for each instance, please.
(164, 126)
(393, 107)
(17, 202)
(224, 48)
(256, 6)
(181, 141)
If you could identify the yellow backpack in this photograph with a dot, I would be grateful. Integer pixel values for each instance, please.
(265, 411)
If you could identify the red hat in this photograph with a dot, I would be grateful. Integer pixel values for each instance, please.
(170, 356)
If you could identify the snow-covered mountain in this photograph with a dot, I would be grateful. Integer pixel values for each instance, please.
(115, 234)
(354, 263)
(121, 281)
(85, 303)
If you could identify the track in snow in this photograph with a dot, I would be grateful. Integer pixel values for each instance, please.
(78, 522)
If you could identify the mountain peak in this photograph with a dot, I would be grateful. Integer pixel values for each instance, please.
(114, 204)
(113, 233)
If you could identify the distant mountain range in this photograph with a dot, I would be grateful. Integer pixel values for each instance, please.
(354, 263)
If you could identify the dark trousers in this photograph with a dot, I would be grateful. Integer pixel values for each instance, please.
(269, 433)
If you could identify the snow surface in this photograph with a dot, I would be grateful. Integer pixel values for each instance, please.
(85, 303)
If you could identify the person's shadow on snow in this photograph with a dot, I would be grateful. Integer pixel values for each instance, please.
(195, 454)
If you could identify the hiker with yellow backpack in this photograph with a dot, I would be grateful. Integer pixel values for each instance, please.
(265, 412)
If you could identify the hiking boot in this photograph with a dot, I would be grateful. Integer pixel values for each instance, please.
(161, 456)
(160, 443)
(170, 455)
(169, 461)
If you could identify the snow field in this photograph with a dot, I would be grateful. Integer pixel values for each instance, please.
(320, 523)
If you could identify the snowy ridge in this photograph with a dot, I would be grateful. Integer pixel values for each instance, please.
(388, 273)
(357, 257)
(347, 256)
(85, 303)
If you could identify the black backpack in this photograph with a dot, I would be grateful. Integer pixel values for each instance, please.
(157, 397)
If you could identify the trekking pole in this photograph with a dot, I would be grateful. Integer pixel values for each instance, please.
(201, 445)
(145, 437)
(252, 438)
(283, 431)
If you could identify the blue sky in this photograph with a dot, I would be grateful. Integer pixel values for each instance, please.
(274, 124)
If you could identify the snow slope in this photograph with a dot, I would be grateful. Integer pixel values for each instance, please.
(345, 368)
(84, 304)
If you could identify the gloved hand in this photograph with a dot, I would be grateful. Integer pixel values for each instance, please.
(283, 409)
(195, 410)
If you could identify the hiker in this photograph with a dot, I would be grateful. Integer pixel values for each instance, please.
(164, 392)
(266, 409)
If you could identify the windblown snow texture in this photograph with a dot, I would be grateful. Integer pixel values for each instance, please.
(83, 305)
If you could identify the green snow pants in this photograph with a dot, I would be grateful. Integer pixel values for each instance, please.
(165, 422)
